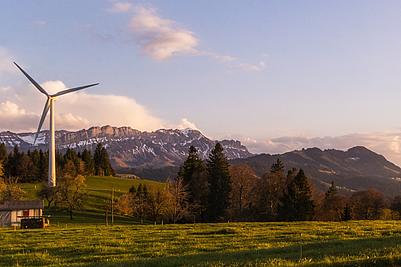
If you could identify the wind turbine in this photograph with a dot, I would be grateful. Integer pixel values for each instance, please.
(50, 105)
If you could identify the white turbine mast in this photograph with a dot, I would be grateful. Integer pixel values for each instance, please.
(50, 105)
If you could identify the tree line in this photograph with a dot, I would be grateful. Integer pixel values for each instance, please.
(33, 165)
(202, 191)
(214, 191)
(19, 167)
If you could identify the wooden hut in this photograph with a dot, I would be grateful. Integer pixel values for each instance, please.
(12, 212)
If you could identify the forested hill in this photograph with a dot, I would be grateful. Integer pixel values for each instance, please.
(356, 169)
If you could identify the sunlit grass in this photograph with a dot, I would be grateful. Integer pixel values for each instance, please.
(362, 243)
(85, 241)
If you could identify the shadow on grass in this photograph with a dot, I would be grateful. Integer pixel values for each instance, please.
(360, 252)
(86, 217)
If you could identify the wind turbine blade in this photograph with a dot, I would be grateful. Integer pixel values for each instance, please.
(45, 110)
(73, 89)
(32, 80)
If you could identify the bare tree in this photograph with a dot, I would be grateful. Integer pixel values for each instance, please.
(243, 180)
(368, 204)
(47, 193)
(178, 206)
(140, 202)
(156, 203)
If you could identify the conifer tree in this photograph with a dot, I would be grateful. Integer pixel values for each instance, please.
(219, 184)
(89, 168)
(346, 215)
(106, 165)
(102, 162)
(71, 156)
(14, 161)
(332, 191)
(190, 172)
(4, 158)
(277, 167)
(43, 165)
(296, 202)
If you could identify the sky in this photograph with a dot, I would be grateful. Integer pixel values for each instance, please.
(275, 75)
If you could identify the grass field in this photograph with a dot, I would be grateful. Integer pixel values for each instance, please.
(85, 241)
(362, 243)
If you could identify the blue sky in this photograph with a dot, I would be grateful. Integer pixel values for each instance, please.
(276, 75)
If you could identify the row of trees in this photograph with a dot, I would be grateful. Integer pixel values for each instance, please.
(210, 191)
(72, 168)
(33, 165)
(214, 191)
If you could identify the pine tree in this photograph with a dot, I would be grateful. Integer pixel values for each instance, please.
(277, 167)
(14, 161)
(346, 215)
(71, 155)
(102, 162)
(43, 165)
(89, 168)
(189, 174)
(219, 183)
(106, 165)
(296, 202)
(332, 191)
(4, 158)
(97, 157)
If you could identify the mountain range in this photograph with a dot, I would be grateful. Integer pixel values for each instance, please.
(157, 155)
(128, 147)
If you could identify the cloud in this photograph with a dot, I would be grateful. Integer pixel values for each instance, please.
(384, 143)
(40, 23)
(247, 66)
(70, 121)
(120, 8)
(159, 38)
(223, 58)
(184, 124)
(14, 118)
(5, 89)
(23, 108)
(6, 62)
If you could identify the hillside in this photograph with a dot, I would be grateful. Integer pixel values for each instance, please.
(355, 169)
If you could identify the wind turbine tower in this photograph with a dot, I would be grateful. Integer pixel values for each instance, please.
(50, 105)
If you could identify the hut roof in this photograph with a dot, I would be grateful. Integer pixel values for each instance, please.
(21, 204)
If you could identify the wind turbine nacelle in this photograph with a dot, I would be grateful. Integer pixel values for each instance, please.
(55, 98)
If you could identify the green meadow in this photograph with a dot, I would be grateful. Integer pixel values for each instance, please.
(86, 241)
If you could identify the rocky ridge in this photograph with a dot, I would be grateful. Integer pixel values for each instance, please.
(128, 147)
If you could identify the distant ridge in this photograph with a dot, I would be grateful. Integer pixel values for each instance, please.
(358, 168)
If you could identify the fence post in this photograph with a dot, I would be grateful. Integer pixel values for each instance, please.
(112, 208)
(300, 247)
